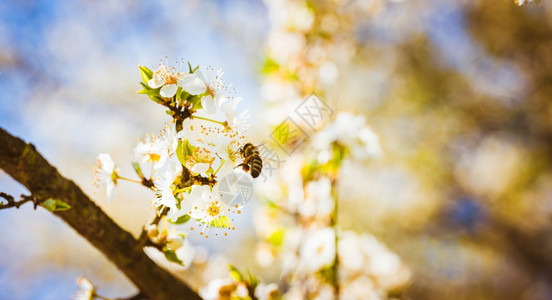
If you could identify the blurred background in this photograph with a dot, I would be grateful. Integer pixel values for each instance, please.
(459, 93)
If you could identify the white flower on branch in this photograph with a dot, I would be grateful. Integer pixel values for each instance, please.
(145, 152)
(217, 144)
(164, 188)
(215, 91)
(200, 161)
(192, 84)
(166, 80)
(106, 174)
(228, 107)
(206, 206)
(164, 145)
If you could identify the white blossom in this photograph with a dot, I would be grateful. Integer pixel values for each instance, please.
(318, 199)
(148, 151)
(351, 132)
(166, 80)
(228, 107)
(361, 288)
(205, 205)
(215, 92)
(351, 257)
(219, 287)
(214, 145)
(266, 291)
(318, 250)
(192, 84)
(211, 291)
(87, 290)
(170, 80)
(164, 146)
(106, 174)
(185, 253)
(164, 188)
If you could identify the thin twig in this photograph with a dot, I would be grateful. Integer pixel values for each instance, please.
(143, 238)
(12, 203)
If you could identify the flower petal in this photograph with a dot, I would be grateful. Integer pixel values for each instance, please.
(155, 82)
(192, 84)
(168, 90)
(109, 187)
(200, 168)
(208, 104)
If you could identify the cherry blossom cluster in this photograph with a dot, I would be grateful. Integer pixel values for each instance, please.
(299, 230)
(185, 162)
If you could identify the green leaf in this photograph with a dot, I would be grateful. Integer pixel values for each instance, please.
(190, 68)
(157, 99)
(196, 102)
(183, 150)
(221, 222)
(181, 220)
(250, 280)
(152, 93)
(55, 205)
(171, 256)
(146, 73)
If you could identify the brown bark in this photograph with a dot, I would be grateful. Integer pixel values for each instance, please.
(23, 162)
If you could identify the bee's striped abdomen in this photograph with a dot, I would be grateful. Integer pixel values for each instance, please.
(256, 165)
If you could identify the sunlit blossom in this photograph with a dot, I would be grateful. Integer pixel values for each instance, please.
(166, 80)
(214, 92)
(206, 205)
(106, 174)
(164, 145)
(164, 188)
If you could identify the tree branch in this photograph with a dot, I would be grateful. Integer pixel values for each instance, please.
(24, 164)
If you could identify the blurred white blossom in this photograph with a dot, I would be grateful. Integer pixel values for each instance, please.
(351, 132)
(318, 249)
(87, 290)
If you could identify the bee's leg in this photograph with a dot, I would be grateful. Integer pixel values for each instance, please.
(244, 166)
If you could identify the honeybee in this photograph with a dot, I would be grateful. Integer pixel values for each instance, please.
(251, 160)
